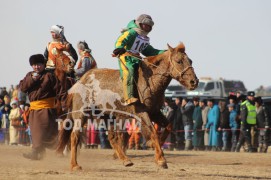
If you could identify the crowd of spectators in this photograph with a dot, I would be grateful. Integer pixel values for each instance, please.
(218, 124)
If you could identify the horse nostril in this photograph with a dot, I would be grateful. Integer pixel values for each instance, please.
(192, 82)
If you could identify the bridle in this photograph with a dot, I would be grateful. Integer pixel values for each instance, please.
(173, 68)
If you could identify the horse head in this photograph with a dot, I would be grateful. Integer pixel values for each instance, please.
(63, 64)
(180, 67)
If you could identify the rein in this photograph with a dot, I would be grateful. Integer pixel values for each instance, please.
(182, 73)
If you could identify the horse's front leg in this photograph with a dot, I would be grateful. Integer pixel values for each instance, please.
(75, 137)
(149, 131)
(162, 121)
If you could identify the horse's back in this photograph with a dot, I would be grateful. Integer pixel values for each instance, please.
(105, 78)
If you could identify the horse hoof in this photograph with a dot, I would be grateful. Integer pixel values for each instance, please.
(162, 164)
(115, 156)
(76, 168)
(128, 163)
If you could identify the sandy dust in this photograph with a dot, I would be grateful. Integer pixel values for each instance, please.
(99, 164)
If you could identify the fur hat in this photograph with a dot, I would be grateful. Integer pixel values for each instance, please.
(251, 93)
(27, 104)
(242, 97)
(145, 19)
(231, 96)
(196, 98)
(36, 58)
(57, 29)
(258, 99)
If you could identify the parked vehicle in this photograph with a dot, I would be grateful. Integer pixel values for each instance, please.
(220, 87)
(175, 91)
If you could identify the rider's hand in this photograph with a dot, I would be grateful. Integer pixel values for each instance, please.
(35, 76)
(67, 46)
(119, 51)
(71, 69)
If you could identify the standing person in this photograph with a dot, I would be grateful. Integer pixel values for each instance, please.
(187, 109)
(263, 124)
(224, 125)
(86, 61)
(2, 102)
(27, 131)
(233, 125)
(133, 41)
(197, 127)
(15, 93)
(15, 122)
(4, 92)
(6, 122)
(41, 87)
(10, 91)
(248, 121)
(2, 138)
(213, 124)
(135, 135)
(204, 113)
(174, 116)
(22, 128)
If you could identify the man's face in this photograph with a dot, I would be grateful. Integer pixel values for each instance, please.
(54, 35)
(251, 98)
(146, 27)
(210, 104)
(177, 101)
(39, 67)
(196, 103)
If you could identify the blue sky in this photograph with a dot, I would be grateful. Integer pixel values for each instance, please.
(229, 39)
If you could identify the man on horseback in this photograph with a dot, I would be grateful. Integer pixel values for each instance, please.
(86, 61)
(57, 53)
(129, 45)
(42, 89)
(59, 48)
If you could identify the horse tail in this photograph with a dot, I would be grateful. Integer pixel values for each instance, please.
(65, 134)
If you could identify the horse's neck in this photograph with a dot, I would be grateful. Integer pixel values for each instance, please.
(60, 74)
(156, 77)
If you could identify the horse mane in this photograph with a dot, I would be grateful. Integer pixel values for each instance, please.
(154, 60)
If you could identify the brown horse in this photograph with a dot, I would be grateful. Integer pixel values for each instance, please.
(102, 89)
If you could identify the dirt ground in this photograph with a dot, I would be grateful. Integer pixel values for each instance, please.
(99, 164)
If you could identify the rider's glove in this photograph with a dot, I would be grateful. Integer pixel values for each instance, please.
(119, 51)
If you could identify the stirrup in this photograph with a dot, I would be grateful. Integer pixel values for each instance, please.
(131, 101)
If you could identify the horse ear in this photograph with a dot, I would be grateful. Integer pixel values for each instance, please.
(181, 47)
(170, 48)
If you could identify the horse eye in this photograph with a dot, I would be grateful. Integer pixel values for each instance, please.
(180, 62)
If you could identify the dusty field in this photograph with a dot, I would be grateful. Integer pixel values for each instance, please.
(99, 164)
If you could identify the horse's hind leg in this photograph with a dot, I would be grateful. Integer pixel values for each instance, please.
(148, 130)
(116, 140)
(75, 137)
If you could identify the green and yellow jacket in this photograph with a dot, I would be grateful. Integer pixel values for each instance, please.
(135, 43)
